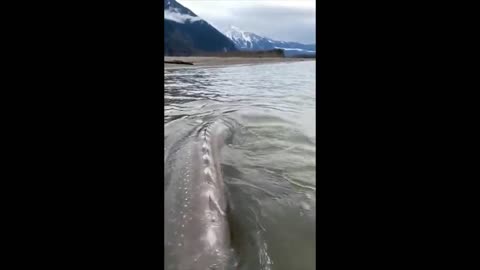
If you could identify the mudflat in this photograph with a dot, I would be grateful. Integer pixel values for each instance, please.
(204, 61)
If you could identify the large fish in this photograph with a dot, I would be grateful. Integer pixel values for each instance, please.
(197, 235)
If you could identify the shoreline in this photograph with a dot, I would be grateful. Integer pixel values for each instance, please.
(215, 61)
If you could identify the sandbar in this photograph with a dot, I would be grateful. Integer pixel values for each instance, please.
(205, 61)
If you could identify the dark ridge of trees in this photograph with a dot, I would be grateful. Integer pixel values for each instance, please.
(256, 54)
(193, 38)
(178, 62)
(304, 56)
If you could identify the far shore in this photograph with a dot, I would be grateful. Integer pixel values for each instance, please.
(205, 61)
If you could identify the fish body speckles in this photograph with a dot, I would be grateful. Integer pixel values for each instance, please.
(197, 231)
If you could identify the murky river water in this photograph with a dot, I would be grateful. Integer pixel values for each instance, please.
(268, 165)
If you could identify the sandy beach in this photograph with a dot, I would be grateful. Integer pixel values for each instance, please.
(226, 61)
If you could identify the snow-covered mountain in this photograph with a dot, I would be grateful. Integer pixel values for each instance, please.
(250, 41)
(187, 34)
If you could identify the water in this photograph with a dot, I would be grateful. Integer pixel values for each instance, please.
(269, 164)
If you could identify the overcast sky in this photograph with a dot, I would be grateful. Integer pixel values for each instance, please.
(284, 20)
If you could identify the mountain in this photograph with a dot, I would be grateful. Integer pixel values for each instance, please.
(252, 42)
(187, 34)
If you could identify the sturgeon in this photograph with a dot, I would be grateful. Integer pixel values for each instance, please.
(197, 235)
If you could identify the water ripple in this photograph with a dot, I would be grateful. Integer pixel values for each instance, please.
(269, 164)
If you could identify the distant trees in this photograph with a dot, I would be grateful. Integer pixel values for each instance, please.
(266, 53)
(193, 38)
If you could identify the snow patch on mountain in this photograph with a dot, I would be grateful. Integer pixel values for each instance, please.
(173, 15)
(295, 49)
(243, 40)
(249, 41)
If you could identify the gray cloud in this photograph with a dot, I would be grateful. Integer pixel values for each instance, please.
(282, 23)
(289, 21)
(180, 18)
